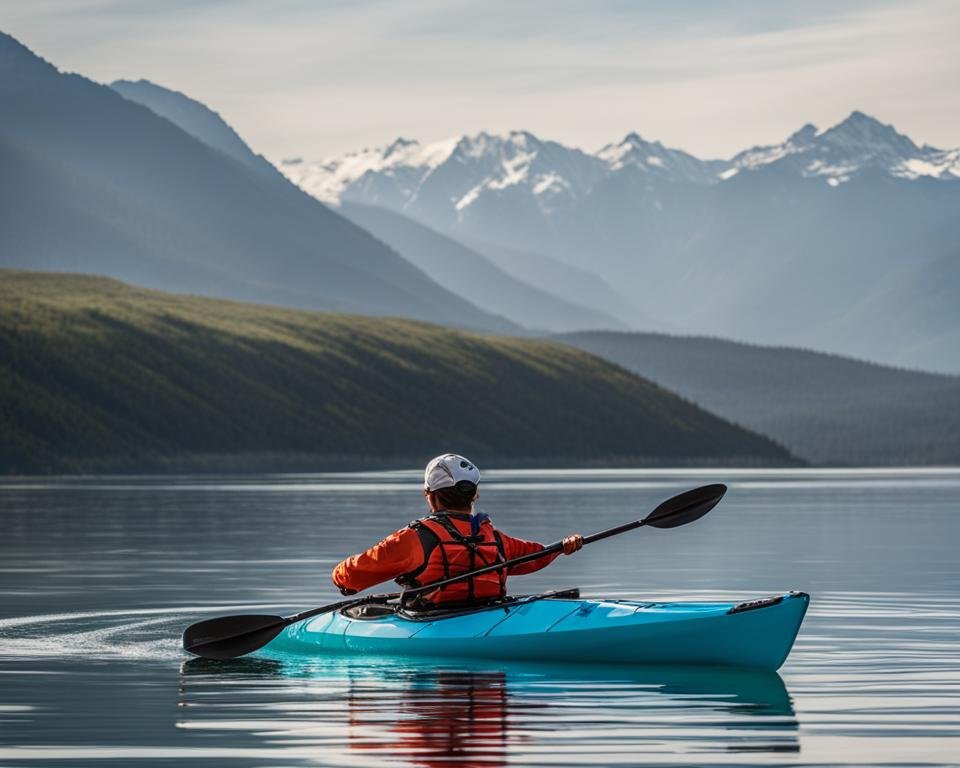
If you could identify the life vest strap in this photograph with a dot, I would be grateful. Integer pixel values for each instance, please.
(430, 539)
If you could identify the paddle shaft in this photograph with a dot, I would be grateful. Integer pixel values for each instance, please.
(335, 607)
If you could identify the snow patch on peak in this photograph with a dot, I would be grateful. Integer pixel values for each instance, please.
(525, 139)
(485, 144)
(937, 163)
(620, 155)
(473, 146)
(469, 198)
(510, 159)
(328, 179)
(653, 157)
(435, 154)
(550, 184)
(853, 145)
(757, 157)
(514, 170)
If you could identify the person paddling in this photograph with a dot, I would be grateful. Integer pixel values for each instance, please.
(452, 540)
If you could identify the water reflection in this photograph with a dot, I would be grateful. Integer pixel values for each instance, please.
(99, 576)
(442, 716)
(371, 711)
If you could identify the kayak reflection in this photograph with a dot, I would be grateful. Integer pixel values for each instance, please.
(470, 714)
(443, 716)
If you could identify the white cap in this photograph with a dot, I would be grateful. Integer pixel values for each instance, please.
(447, 470)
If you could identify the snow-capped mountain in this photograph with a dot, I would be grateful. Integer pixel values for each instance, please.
(453, 174)
(404, 163)
(462, 171)
(657, 160)
(857, 144)
(459, 172)
(777, 244)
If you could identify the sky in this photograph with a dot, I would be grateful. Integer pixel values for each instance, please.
(316, 79)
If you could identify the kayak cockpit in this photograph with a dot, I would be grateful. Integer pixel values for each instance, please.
(389, 606)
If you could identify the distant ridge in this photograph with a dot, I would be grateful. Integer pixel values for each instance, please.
(194, 118)
(96, 375)
(827, 409)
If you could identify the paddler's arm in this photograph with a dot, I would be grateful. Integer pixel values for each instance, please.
(513, 547)
(399, 553)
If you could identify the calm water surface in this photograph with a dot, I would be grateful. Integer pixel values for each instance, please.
(99, 576)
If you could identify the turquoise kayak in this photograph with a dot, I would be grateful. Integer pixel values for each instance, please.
(755, 634)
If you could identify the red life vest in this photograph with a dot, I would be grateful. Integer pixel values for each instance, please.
(449, 552)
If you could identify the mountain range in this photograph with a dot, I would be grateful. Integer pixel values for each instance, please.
(460, 174)
(841, 240)
(816, 241)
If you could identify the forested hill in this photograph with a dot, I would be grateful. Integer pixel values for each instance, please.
(826, 409)
(96, 375)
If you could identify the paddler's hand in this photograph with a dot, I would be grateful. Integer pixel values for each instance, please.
(572, 543)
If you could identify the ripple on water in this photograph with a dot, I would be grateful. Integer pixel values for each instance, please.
(854, 692)
(873, 679)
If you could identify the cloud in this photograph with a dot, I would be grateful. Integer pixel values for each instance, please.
(301, 77)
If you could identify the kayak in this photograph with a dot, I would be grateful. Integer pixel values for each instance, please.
(556, 628)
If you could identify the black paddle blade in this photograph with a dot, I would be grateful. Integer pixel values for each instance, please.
(687, 507)
(231, 636)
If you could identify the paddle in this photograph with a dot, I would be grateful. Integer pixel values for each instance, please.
(230, 636)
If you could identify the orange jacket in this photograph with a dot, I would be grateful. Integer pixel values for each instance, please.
(402, 553)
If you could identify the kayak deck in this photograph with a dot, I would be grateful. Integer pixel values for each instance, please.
(756, 634)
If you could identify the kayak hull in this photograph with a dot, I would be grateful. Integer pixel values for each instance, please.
(758, 634)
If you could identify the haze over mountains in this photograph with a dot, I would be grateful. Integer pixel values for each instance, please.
(468, 273)
(826, 409)
(93, 182)
(195, 118)
(550, 300)
(815, 241)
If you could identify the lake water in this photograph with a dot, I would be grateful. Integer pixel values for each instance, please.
(98, 577)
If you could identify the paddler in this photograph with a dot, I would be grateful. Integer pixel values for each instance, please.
(451, 540)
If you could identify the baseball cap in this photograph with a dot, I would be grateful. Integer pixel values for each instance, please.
(447, 470)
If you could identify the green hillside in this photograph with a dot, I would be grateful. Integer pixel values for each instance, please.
(96, 375)
(826, 409)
